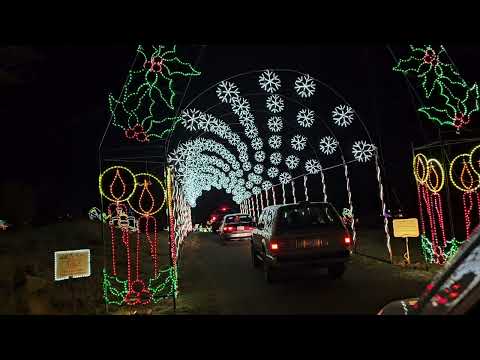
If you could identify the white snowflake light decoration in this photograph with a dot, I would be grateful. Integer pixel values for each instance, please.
(285, 178)
(243, 157)
(240, 106)
(246, 119)
(251, 131)
(269, 81)
(247, 166)
(343, 115)
(249, 184)
(275, 124)
(256, 190)
(219, 128)
(227, 91)
(275, 104)
(256, 179)
(312, 166)
(190, 118)
(257, 143)
(205, 122)
(276, 158)
(259, 156)
(328, 145)
(305, 118)
(292, 161)
(176, 157)
(272, 172)
(298, 142)
(305, 86)
(275, 141)
(234, 139)
(362, 151)
(258, 169)
(242, 147)
(266, 185)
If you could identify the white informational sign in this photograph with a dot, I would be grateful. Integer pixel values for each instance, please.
(405, 228)
(72, 264)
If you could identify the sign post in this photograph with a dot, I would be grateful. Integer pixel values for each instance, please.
(70, 265)
(405, 228)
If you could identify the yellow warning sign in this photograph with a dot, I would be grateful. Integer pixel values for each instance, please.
(403, 228)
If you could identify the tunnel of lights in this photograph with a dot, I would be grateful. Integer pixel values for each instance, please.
(266, 140)
(265, 137)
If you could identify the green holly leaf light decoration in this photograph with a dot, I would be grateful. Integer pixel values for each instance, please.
(441, 81)
(161, 68)
(149, 94)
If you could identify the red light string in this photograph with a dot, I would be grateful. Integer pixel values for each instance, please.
(420, 208)
(478, 204)
(173, 250)
(126, 242)
(467, 209)
(439, 210)
(433, 230)
(138, 251)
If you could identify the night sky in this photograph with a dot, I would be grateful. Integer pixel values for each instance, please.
(54, 109)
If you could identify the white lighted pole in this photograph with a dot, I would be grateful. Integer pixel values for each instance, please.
(350, 204)
(293, 192)
(384, 206)
(261, 201)
(305, 187)
(257, 207)
(324, 186)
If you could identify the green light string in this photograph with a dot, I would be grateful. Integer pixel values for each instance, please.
(427, 250)
(457, 100)
(137, 111)
(115, 289)
(454, 247)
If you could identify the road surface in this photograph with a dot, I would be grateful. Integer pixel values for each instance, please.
(216, 279)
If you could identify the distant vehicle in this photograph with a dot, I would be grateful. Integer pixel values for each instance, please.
(453, 291)
(301, 235)
(4, 225)
(236, 227)
(215, 222)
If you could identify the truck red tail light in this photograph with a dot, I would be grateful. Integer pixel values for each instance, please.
(273, 246)
(347, 240)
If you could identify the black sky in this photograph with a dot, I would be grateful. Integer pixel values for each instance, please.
(54, 107)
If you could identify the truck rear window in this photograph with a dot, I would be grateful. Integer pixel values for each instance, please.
(307, 216)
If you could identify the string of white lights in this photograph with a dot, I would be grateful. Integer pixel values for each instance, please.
(305, 187)
(293, 192)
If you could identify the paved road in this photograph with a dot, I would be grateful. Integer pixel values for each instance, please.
(216, 279)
